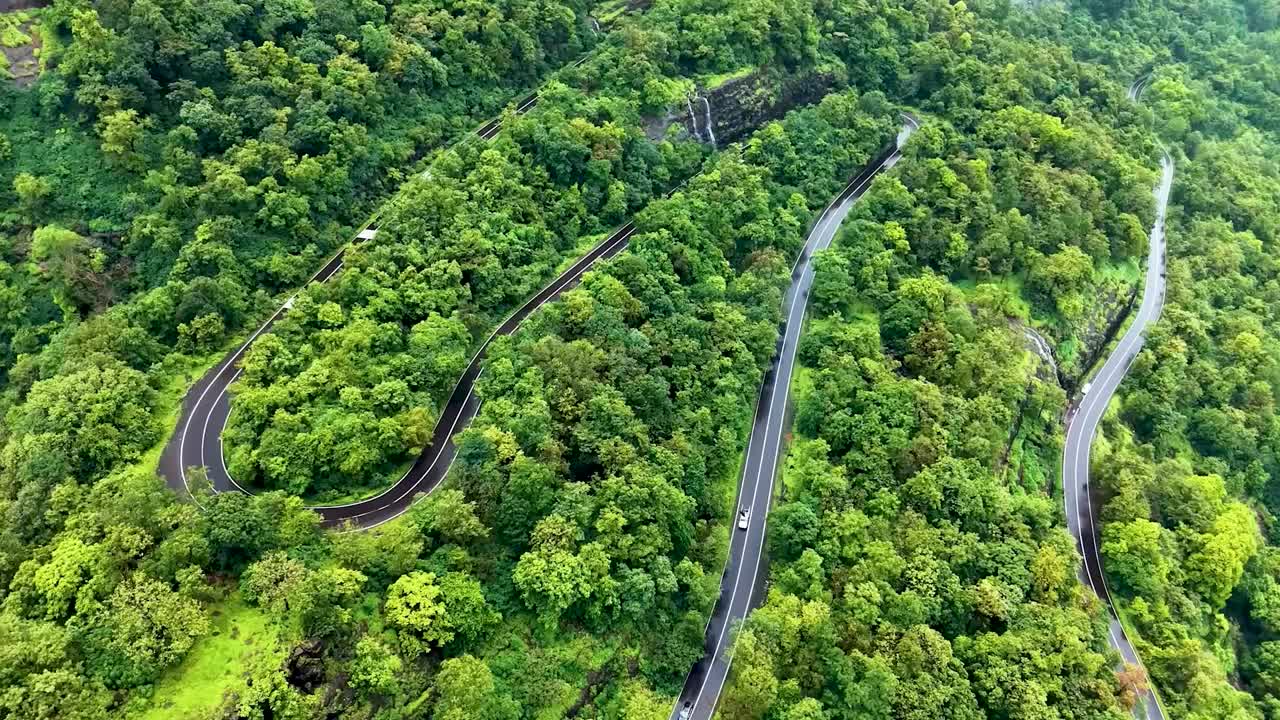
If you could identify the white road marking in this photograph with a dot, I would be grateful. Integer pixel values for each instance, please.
(821, 236)
(1093, 407)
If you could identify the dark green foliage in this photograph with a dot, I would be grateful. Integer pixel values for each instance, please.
(180, 164)
(1189, 503)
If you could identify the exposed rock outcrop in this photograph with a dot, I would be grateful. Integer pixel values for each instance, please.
(1096, 331)
(738, 106)
(1047, 370)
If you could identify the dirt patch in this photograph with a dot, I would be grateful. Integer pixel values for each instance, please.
(24, 66)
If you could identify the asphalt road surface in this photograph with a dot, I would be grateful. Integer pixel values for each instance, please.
(207, 405)
(198, 441)
(740, 586)
(1082, 425)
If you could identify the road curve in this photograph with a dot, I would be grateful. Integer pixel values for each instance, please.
(207, 405)
(739, 584)
(1082, 425)
(198, 441)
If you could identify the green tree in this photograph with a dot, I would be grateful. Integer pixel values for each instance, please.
(465, 691)
(122, 132)
(275, 582)
(33, 192)
(145, 627)
(447, 514)
(376, 668)
(415, 605)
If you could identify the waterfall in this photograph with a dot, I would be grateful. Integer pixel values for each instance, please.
(693, 119)
(707, 105)
(1040, 347)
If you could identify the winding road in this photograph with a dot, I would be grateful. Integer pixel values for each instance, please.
(1082, 425)
(207, 404)
(198, 441)
(740, 587)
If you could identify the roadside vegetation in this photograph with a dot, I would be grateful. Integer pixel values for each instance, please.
(919, 565)
(872, 538)
(1188, 460)
(178, 167)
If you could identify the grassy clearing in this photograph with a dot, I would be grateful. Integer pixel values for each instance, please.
(242, 636)
(711, 82)
(13, 34)
(1128, 272)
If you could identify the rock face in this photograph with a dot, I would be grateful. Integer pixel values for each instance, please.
(738, 106)
(1047, 370)
(1098, 330)
(305, 665)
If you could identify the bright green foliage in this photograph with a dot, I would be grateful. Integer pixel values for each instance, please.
(1186, 470)
(913, 574)
(447, 515)
(1134, 556)
(274, 582)
(122, 132)
(384, 555)
(320, 600)
(375, 668)
(240, 528)
(638, 702)
(1217, 563)
(87, 420)
(145, 627)
(256, 132)
(74, 580)
(906, 569)
(555, 573)
(349, 386)
(414, 605)
(466, 690)
(32, 191)
(430, 612)
(176, 167)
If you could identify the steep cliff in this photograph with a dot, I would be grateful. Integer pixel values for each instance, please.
(731, 109)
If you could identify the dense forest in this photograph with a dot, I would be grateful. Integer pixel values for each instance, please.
(919, 566)
(1188, 462)
(175, 169)
(892, 516)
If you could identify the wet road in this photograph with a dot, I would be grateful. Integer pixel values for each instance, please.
(740, 586)
(1082, 425)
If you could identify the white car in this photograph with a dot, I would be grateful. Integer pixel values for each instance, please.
(685, 712)
(743, 517)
